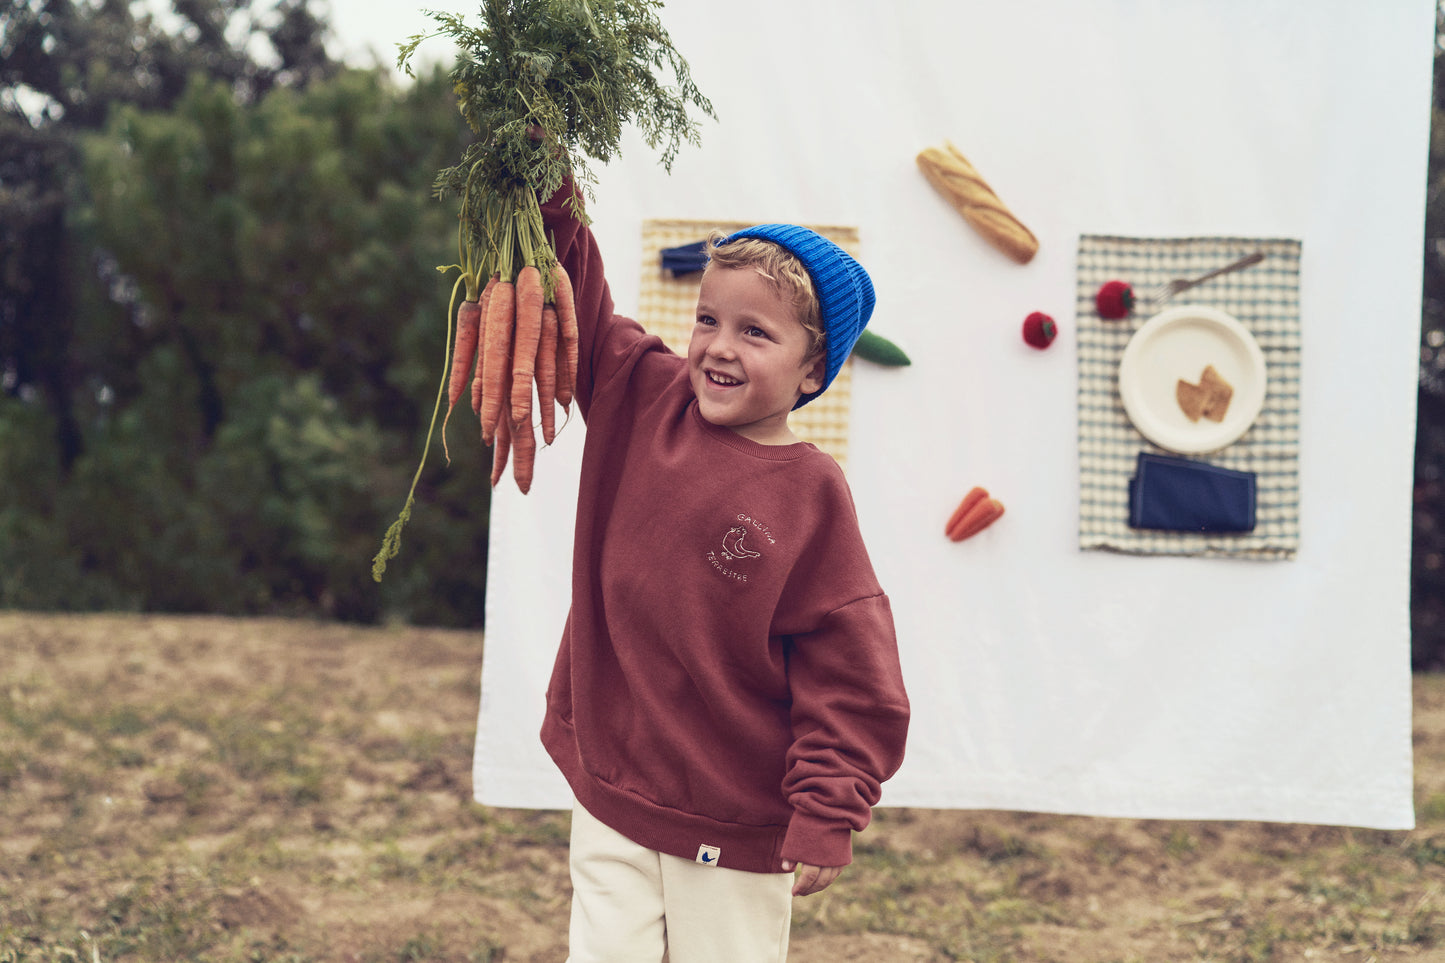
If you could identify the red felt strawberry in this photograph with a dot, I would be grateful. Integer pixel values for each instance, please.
(1040, 330)
(1115, 300)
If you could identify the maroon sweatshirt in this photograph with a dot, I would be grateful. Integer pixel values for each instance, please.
(727, 687)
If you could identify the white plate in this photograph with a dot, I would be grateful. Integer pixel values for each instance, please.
(1177, 344)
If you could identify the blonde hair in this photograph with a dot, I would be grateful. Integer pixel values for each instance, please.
(781, 267)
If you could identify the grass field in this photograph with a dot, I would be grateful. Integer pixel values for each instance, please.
(267, 790)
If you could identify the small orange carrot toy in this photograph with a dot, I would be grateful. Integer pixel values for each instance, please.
(976, 512)
(974, 496)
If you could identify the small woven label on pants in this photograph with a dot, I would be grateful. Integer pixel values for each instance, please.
(708, 855)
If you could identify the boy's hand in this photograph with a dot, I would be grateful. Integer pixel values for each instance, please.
(811, 879)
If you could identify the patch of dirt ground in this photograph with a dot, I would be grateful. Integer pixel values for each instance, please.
(254, 789)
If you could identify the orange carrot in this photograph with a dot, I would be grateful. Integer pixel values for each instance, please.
(501, 447)
(567, 336)
(974, 496)
(524, 454)
(469, 316)
(547, 373)
(485, 302)
(981, 516)
(464, 351)
(524, 350)
(498, 350)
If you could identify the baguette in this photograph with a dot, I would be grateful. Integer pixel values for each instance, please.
(959, 181)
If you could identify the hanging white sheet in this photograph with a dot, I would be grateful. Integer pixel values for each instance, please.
(1045, 677)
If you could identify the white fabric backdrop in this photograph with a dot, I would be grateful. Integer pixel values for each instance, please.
(1044, 678)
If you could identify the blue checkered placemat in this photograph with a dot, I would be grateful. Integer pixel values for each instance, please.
(1265, 299)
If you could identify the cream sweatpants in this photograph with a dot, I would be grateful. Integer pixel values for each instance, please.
(631, 904)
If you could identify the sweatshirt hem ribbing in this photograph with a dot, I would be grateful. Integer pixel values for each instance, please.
(753, 849)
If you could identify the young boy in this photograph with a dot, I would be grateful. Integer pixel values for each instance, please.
(727, 697)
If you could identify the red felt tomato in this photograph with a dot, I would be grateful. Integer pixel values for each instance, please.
(1115, 300)
(1040, 330)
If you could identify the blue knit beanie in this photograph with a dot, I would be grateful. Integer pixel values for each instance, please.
(845, 292)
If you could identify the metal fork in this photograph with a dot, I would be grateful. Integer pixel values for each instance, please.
(1167, 290)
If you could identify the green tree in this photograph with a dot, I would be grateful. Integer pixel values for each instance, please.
(63, 66)
(246, 331)
(285, 337)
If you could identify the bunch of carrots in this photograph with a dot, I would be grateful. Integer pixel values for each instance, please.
(514, 333)
(512, 336)
(543, 84)
(517, 334)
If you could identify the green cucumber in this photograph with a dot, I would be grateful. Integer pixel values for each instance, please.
(879, 350)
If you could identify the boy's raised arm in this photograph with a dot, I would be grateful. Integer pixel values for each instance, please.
(579, 255)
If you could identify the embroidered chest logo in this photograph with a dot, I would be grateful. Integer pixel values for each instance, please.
(743, 542)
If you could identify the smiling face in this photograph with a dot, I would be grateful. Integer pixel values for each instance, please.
(748, 358)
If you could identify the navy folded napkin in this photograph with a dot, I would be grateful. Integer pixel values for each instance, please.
(684, 259)
(1183, 495)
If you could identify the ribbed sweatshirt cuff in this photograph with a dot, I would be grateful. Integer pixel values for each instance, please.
(818, 842)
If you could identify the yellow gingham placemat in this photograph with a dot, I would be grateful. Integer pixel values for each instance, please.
(667, 307)
(1265, 299)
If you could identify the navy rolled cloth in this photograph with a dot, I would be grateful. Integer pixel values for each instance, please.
(1183, 495)
(684, 259)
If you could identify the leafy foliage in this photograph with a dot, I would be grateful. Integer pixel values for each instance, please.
(63, 67)
(578, 71)
(249, 308)
(545, 84)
